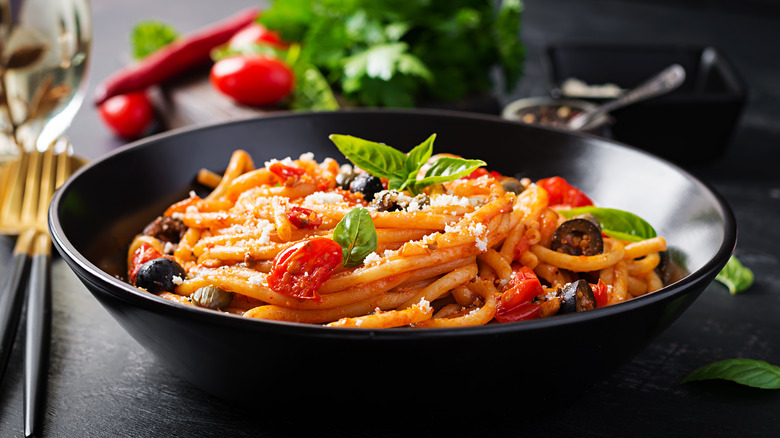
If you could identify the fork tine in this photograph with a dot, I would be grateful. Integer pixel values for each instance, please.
(32, 188)
(11, 204)
(47, 179)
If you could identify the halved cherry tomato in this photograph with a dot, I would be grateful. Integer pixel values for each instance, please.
(303, 218)
(285, 172)
(253, 79)
(300, 270)
(128, 115)
(515, 303)
(142, 254)
(563, 193)
(256, 33)
(521, 312)
(600, 293)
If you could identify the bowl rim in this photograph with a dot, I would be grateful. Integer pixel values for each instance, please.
(119, 290)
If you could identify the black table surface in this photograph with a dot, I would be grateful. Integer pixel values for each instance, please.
(102, 383)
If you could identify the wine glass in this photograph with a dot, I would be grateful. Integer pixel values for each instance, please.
(44, 49)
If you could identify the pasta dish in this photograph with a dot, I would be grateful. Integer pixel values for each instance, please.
(394, 239)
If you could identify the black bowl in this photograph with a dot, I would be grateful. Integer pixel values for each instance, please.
(95, 214)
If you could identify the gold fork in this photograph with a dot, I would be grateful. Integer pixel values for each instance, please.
(27, 187)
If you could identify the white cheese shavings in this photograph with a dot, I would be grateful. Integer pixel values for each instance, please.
(449, 200)
(371, 259)
(308, 156)
(287, 161)
(177, 280)
(424, 305)
(323, 198)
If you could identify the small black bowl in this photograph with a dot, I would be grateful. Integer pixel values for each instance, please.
(693, 124)
(94, 216)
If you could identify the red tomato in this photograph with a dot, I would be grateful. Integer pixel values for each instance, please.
(521, 312)
(285, 172)
(300, 270)
(128, 115)
(600, 293)
(515, 303)
(563, 193)
(256, 33)
(303, 218)
(142, 254)
(253, 79)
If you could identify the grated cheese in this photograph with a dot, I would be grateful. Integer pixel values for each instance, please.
(324, 198)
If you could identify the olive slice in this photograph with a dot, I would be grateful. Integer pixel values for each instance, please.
(578, 237)
(577, 297)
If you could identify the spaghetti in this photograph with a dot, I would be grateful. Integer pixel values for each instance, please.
(290, 241)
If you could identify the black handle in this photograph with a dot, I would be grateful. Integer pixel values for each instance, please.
(37, 341)
(11, 299)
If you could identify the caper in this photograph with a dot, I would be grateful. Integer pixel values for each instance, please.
(211, 297)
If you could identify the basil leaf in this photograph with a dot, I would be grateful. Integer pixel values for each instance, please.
(735, 276)
(448, 169)
(375, 158)
(356, 234)
(616, 223)
(749, 372)
(418, 156)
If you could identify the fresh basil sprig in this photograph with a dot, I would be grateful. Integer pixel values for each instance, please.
(749, 372)
(735, 276)
(401, 169)
(356, 234)
(616, 223)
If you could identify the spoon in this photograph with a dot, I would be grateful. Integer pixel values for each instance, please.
(664, 82)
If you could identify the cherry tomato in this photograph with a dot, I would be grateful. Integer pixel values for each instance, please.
(288, 174)
(515, 303)
(256, 80)
(144, 253)
(303, 218)
(600, 293)
(300, 270)
(128, 115)
(256, 33)
(563, 193)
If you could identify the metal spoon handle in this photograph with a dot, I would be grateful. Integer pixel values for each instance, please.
(669, 79)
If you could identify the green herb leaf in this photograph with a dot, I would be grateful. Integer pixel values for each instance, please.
(448, 169)
(375, 158)
(616, 223)
(749, 372)
(149, 36)
(735, 276)
(401, 169)
(356, 234)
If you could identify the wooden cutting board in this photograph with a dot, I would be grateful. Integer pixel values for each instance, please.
(192, 100)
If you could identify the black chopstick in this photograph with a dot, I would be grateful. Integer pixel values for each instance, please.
(37, 335)
(12, 298)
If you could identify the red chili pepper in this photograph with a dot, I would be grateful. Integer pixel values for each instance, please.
(175, 58)
(303, 218)
(563, 193)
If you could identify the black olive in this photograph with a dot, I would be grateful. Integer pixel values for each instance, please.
(366, 184)
(211, 297)
(578, 237)
(577, 297)
(591, 218)
(166, 229)
(344, 179)
(157, 275)
(512, 185)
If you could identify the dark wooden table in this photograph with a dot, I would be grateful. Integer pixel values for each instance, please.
(102, 383)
